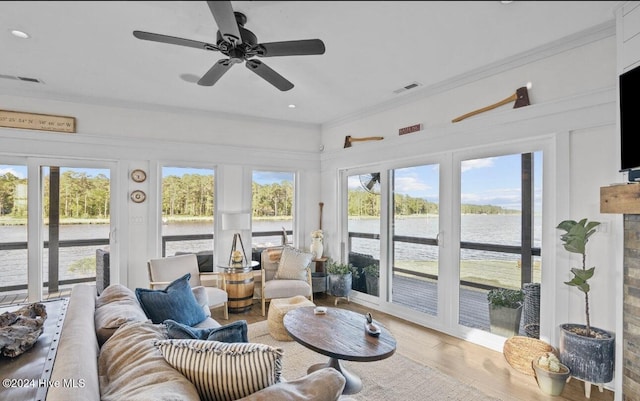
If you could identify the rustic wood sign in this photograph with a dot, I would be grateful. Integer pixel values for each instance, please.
(410, 129)
(44, 122)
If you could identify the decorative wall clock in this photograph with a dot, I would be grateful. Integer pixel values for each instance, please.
(138, 196)
(138, 175)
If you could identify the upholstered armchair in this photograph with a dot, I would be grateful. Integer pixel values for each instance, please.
(286, 272)
(163, 271)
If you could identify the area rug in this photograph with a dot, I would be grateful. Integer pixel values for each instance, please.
(394, 378)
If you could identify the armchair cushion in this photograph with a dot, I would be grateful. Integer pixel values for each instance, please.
(176, 302)
(224, 371)
(235, 332)
(293, 264)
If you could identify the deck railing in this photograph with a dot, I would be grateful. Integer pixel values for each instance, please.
(191, 237)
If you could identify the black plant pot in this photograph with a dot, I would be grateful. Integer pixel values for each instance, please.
(590, 359)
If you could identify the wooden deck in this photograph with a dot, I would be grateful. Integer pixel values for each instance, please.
(422, 296)
(17, 297)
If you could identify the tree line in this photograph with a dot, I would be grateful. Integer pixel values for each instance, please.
(363, 203)
(194, 194)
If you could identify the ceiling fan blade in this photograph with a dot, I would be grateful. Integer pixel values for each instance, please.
(291, 48)
(172, 40)
(269, 75)
(227, 25)
(218, 70)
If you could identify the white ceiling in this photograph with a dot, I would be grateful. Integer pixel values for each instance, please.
(85, 51)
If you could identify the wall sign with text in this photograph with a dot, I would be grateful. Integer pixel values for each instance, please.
(43, 122)
(410, 129)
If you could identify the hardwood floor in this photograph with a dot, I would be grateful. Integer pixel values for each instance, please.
(480, 367)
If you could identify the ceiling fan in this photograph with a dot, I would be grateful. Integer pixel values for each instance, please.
(240, 44)
(371, 182)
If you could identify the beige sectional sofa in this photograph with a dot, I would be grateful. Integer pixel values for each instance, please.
(108, 345)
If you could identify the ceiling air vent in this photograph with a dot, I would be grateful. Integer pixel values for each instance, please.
(412, 85)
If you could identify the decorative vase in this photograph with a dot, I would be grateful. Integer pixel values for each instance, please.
(551, 383)
(316, 248)
(590, 359)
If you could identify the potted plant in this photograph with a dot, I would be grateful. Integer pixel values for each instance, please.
(589, 352)
(550, 373)
(372, 274)
(340, 278)
(505, 310)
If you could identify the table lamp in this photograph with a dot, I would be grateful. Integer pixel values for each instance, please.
(236, 221)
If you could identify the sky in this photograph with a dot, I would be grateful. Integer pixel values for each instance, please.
(487, 181)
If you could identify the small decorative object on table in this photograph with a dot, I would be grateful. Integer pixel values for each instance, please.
(371, 328)
(550, 373)
(236, 257)
(20, 330)
(316, 247)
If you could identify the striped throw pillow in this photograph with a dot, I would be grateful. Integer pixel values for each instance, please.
(224, 371)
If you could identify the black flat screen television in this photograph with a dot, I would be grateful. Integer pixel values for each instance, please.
(629, 122)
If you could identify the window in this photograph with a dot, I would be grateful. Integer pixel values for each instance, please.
(272, 205)
(188, 204)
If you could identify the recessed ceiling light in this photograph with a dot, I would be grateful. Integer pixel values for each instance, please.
(292, 106)
(506, 1)
(20, 34)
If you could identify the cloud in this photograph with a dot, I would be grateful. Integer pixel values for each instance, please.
(412, 186)
(476, 164)
(4, 171)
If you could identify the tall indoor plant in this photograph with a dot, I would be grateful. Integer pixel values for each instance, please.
(588, 351)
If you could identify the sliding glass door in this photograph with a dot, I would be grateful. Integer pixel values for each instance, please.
(65, 207)
(415, 228)
(500, 233)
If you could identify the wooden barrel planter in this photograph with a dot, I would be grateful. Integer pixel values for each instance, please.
(240, 289)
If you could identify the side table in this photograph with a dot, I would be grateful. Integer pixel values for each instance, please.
(240, 286)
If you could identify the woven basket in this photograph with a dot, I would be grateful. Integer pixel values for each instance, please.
(520, 351)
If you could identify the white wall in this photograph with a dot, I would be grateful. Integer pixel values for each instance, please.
(573, 102)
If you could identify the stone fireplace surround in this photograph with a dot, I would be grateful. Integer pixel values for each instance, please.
(625, 199)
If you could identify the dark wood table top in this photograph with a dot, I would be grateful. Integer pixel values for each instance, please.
(338, 334)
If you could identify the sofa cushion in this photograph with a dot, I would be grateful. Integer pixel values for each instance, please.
(131, 368)
(293, 264)
(115, 306)
(321, 385)
(224, 371)
(235, 332)
(175, 302)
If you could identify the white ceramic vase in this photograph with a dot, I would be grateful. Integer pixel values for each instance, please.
(316, 248)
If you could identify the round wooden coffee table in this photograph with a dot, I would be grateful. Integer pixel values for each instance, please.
(340, 335)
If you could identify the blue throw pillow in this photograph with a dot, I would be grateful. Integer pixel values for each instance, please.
(235, 332)
(176, 302)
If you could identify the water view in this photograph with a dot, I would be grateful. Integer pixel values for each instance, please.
(78, 262)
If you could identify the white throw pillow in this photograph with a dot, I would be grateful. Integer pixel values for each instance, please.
(224, 371)
(293, 264)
